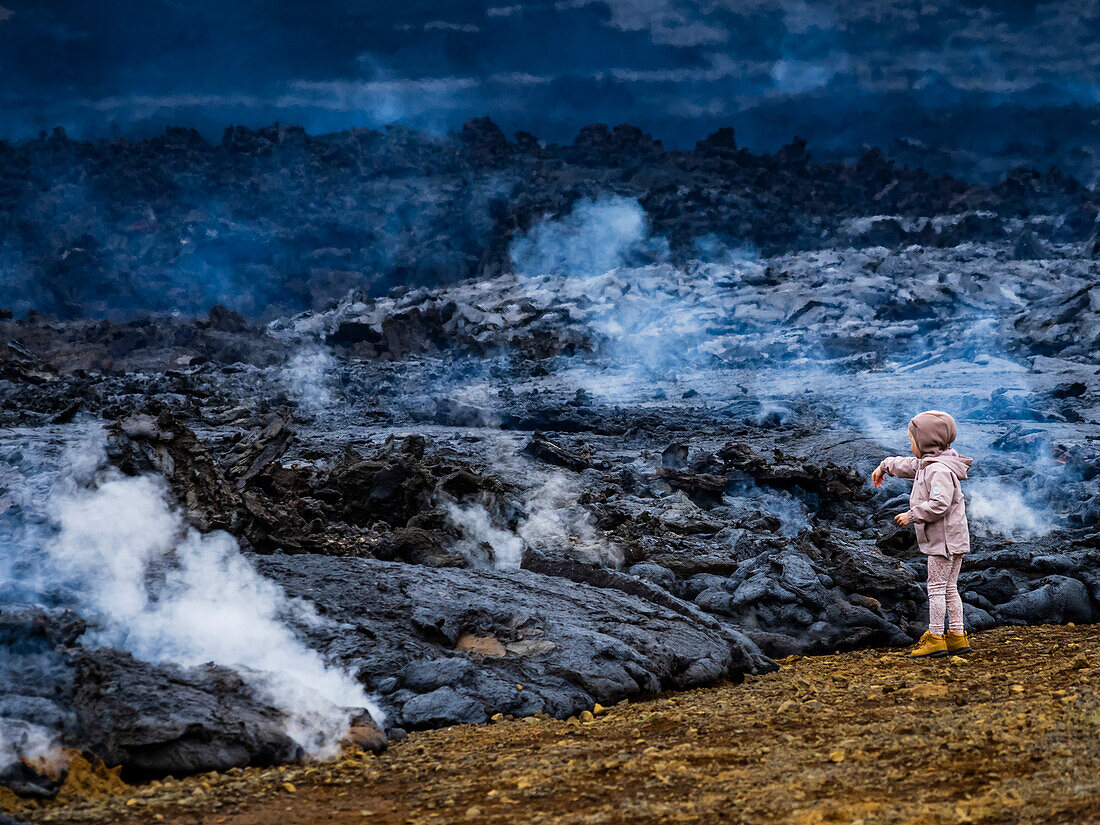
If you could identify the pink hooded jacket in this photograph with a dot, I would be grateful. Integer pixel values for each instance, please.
(937, 509)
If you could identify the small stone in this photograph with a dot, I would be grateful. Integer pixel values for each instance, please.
(586, 716)
(836, 756)
(289, 787)
(957, 660)
(368, 737)
(1017, 688)
(497, 717)
(473, 812)
(599, 710)
(486, 646)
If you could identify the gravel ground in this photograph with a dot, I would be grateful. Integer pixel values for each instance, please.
(1008, 734)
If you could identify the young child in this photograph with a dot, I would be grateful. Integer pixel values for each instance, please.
(938, 513)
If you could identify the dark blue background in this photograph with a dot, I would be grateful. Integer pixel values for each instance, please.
(840, 74)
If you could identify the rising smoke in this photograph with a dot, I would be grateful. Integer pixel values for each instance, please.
(309, 379)
(481, 541)
(650, 317)
(999, 509)
(553, 520)
(595, 236)
(550, 517)
(660, 328)
(151, 585)
(27, 742)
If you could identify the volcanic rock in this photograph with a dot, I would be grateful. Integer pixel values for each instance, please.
(163, 719)
(544, 449)
(603, 645)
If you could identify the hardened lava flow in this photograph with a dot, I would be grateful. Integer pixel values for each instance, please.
(594, 465)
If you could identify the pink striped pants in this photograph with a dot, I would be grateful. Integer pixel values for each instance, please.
(943, 593)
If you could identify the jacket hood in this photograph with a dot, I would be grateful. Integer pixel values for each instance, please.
(933, 431)
(958, 464)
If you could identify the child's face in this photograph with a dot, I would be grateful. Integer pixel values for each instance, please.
(913, 445)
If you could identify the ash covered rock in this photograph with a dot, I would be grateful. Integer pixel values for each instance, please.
(565, 645)
(1050, 582)
(788, 603)
(161, 444)
(827, 482)
(544, 449)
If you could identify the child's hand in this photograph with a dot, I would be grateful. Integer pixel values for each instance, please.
(877, 476)
(902, 519)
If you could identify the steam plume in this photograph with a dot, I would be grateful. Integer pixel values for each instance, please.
(151, 585)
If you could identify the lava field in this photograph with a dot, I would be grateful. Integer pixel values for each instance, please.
(612, 438)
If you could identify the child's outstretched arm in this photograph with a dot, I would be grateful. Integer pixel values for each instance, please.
(898, 466)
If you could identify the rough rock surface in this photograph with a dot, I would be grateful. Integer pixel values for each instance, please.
(565, 645)
(164, 719)
(154, 719)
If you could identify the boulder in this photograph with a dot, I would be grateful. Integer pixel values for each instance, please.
(164, 719)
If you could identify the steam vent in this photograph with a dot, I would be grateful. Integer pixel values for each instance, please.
(388, 436)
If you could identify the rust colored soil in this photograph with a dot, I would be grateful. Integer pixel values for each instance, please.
(1010, 734)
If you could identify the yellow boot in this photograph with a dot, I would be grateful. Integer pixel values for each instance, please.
(957, 642)
(930, 645)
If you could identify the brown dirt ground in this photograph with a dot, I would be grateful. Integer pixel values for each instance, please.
(1010, 734)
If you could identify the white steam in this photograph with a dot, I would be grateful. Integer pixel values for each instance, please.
(154, 586)
(998, 509)
(650, 317)
(25, 742)
(479, 533)
(792, 512)
(596, 236)
(309, 379)
(555, 517)
(555, 520)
